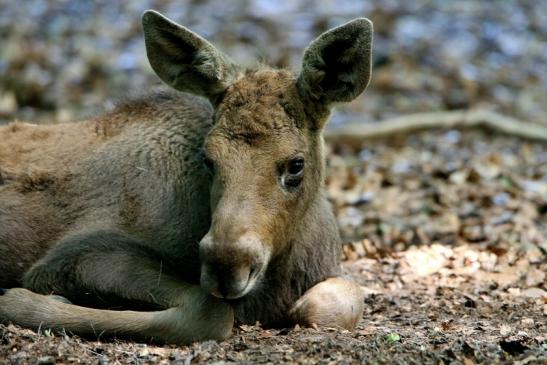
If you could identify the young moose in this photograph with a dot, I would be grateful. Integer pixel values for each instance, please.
(192, 213)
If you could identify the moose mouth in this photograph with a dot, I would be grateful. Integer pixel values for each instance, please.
(229, 284)
(231, 271)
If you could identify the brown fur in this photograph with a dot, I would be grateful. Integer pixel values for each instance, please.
(120, 211)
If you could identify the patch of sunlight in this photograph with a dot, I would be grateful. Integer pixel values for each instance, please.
(427, 260)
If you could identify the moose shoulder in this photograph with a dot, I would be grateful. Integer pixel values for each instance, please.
(189, 209)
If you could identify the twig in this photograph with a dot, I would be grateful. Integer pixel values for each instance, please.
(355, 133)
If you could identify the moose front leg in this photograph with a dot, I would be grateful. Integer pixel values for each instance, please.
(109, 265)
(335, 302)
(112, 264)
(202, 318)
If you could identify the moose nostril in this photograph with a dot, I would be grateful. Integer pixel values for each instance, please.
(227, 282)
(253, 272)
(222, 290)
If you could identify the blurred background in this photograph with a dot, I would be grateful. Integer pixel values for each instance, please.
(61, 60)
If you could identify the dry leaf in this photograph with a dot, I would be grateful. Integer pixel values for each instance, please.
(247, 328)
(535, 277)
(534, 293)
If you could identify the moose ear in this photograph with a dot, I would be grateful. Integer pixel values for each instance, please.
(337, 65)
(183, 59)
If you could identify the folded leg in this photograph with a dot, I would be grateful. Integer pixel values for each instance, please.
(116, 267)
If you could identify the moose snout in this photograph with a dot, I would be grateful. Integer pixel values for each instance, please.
(232, 269)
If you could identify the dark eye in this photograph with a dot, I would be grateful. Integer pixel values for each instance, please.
(292, 173)
(295, 166)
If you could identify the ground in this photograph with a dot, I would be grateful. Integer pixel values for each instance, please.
(446, 233)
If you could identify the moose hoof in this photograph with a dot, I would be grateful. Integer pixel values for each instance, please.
(335, 302)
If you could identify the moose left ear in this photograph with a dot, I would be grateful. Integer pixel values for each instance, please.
(184, 60)
(337, 65)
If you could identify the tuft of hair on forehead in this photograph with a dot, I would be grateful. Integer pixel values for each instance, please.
(259, 85)
(261, 103)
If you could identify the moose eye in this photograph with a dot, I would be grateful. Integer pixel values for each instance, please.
(295, 166)
(292, 173)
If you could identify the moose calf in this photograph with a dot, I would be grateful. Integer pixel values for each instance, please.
(188, 213)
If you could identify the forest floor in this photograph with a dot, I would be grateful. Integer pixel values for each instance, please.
(446, 231)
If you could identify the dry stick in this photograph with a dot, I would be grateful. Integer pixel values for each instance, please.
(355, 133)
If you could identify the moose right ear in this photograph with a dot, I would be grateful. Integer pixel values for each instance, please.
(336, 66)
(183, 59)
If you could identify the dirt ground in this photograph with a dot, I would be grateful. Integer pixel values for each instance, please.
(447, 234)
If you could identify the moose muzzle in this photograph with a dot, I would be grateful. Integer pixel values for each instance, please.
(232, 269)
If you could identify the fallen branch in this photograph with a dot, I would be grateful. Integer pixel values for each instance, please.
(355, 133)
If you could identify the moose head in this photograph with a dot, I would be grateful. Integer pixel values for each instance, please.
(265, 149)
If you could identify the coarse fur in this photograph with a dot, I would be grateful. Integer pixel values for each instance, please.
(178, 205)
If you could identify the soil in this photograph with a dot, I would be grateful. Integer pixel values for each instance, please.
(445, 232)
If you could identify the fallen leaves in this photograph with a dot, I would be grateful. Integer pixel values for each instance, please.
(425, 192)
(431, 221)
(472, 238)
